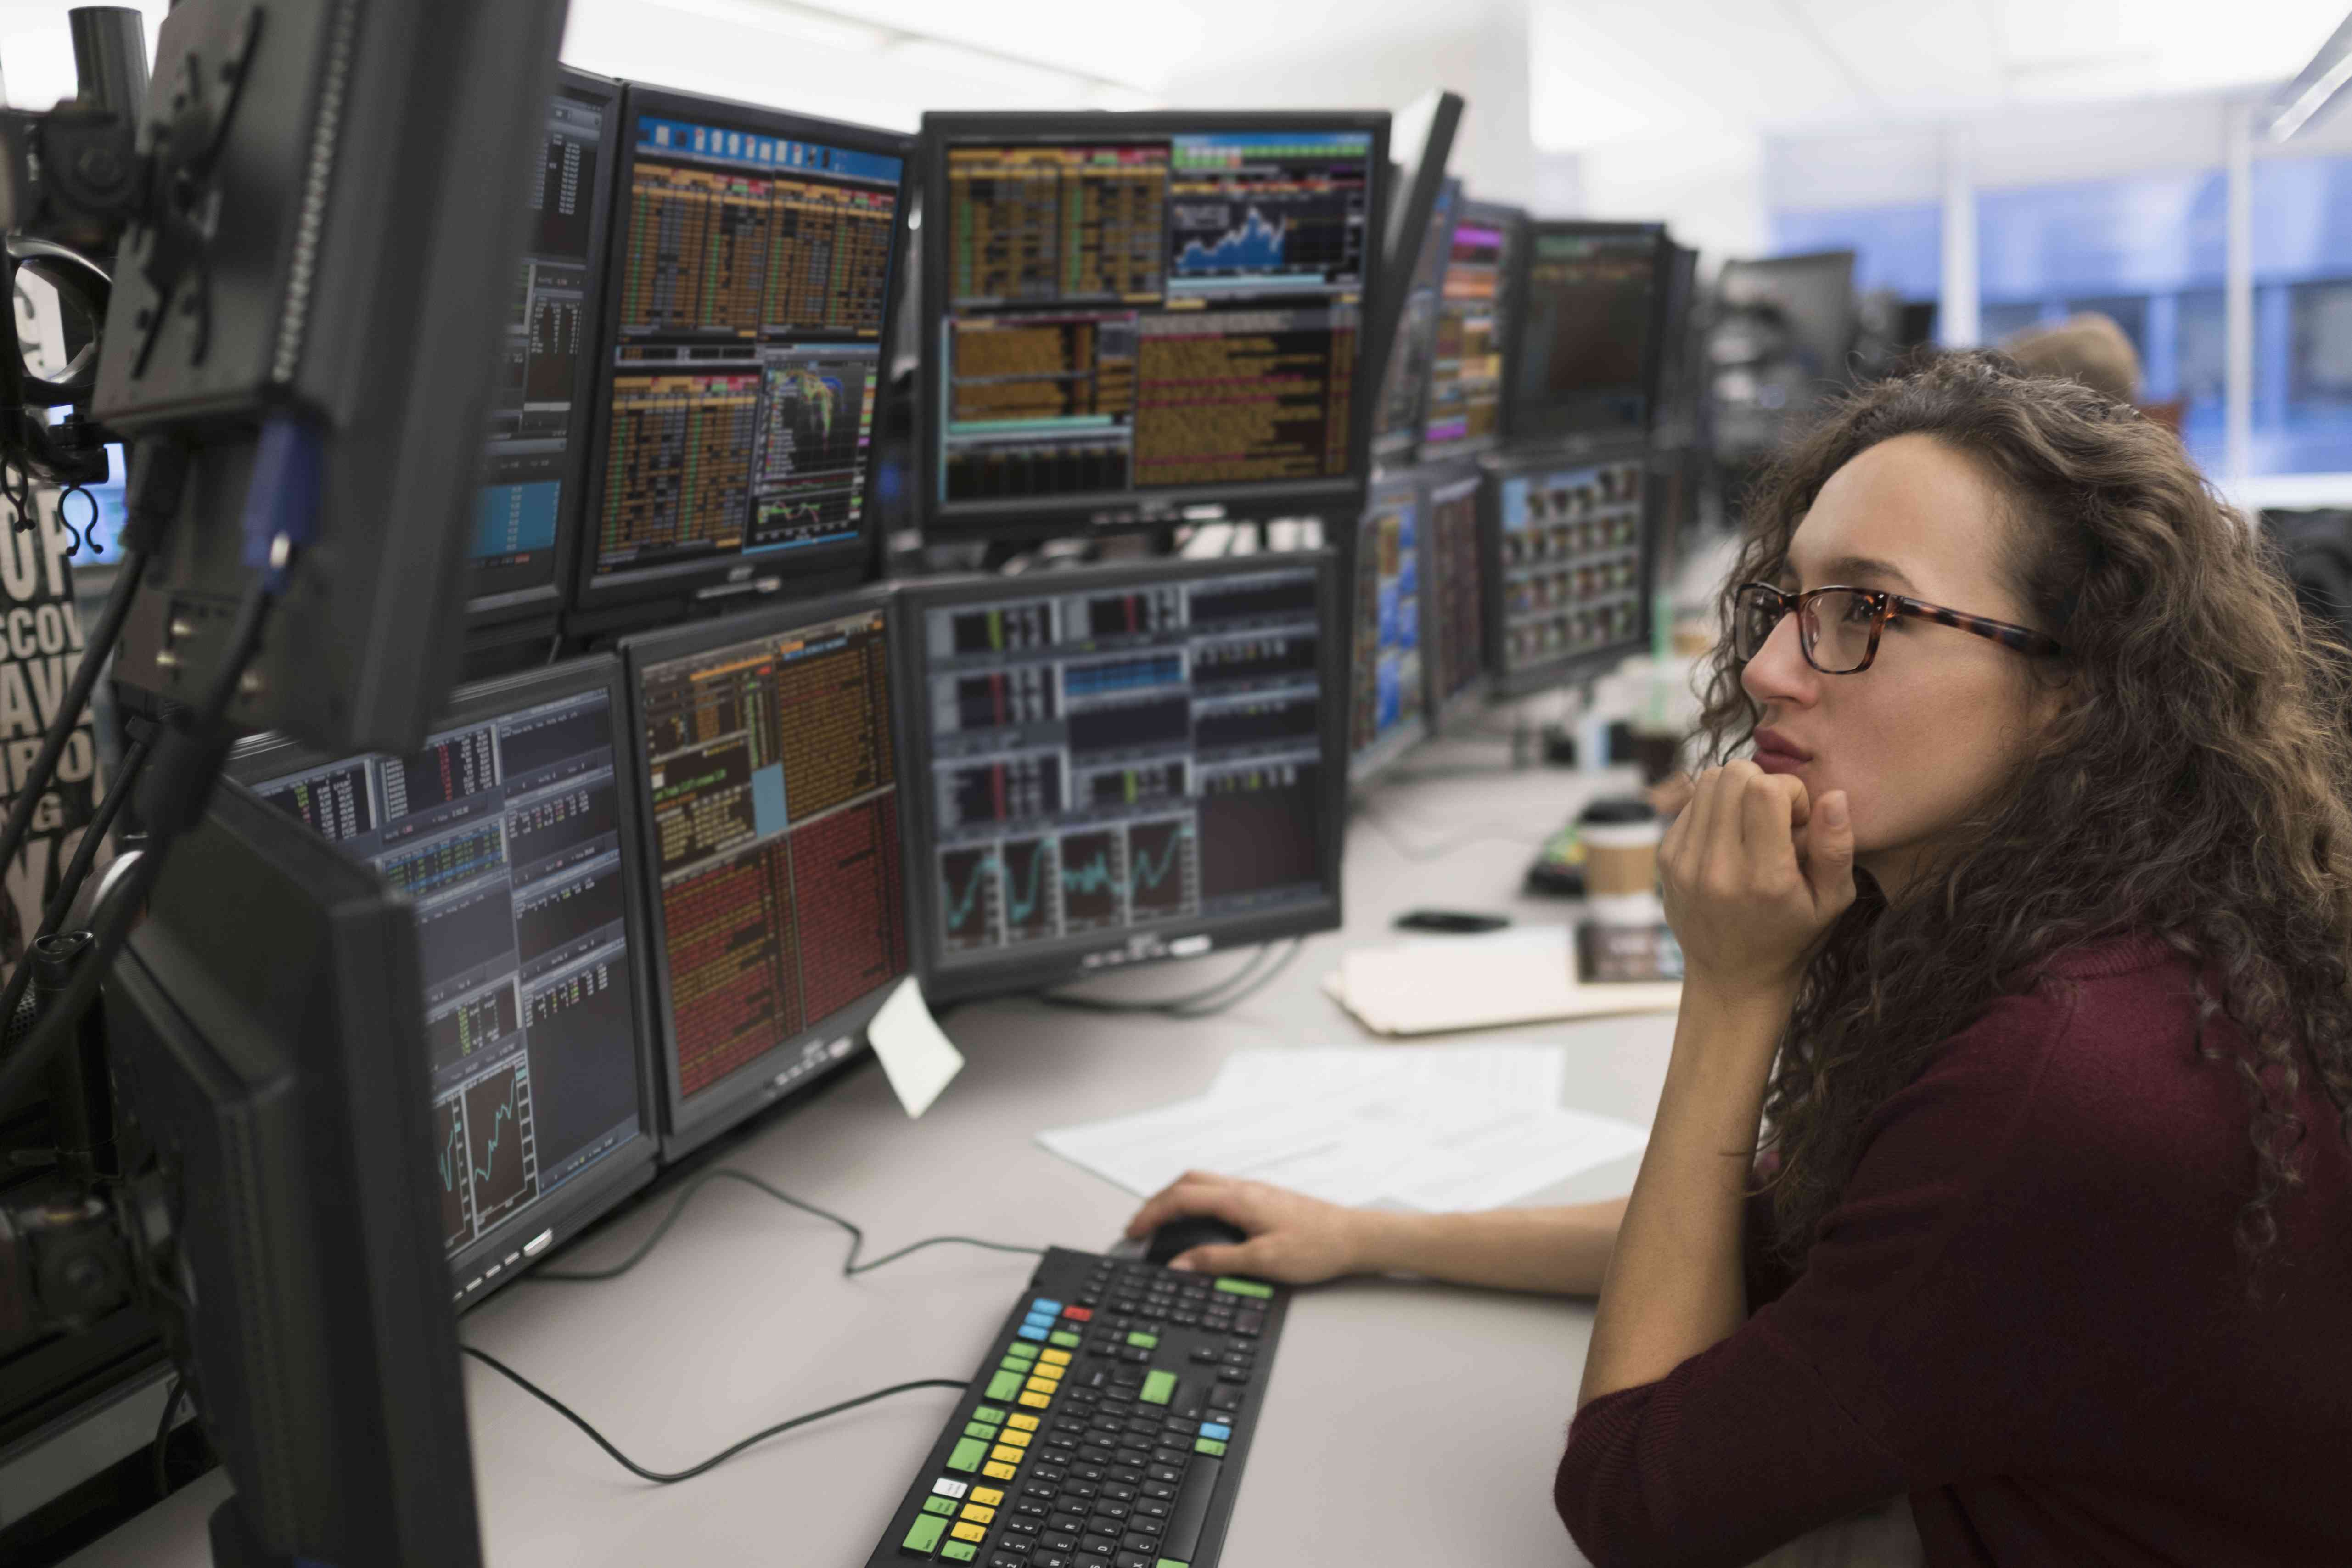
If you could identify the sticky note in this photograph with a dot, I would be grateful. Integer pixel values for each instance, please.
(917, 1057)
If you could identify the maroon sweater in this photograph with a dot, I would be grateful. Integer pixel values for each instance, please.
(2027, 1312)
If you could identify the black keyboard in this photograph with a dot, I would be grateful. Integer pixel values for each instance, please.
(1106, 1429)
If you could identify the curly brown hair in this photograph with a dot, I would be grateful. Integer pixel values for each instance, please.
(2199, 754)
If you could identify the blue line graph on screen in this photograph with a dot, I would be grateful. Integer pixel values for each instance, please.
(1147, 874)
(450, 1156)
(962, 906)
(1021, 902)
(500, 1117)
(1255, 247)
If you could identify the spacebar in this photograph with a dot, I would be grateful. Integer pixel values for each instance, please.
(1191, 1507)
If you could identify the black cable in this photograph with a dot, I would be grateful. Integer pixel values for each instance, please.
(1208, 994)
(193, 756)
(163, 1436)
(672, 1478)
(850, 1267)
(126, 777)
(1235, 999)
(42, 774)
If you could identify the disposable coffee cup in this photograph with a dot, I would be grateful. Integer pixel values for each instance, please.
(1620, 860)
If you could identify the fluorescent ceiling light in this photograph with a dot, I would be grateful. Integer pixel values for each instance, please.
(980, 65)
(2320, 81)
(789, 21)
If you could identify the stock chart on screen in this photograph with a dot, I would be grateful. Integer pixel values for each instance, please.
(1146, 316)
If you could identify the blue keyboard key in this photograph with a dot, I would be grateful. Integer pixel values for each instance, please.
(1050, 1308)
(1028, 1333)
(1216, 1429)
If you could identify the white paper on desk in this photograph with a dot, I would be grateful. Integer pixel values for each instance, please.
(916, 1058)
(1510, 1153)
(1426, 1149)
(1516, 1074)
(1422, 988)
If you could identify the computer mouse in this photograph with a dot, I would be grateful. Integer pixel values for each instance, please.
(1178, 1237)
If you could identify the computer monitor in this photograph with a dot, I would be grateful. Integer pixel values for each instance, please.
(1404, 380)
(1462, 411)
(1136, 320)
(528, 510)
(772, 779)
(1388, 697)
(750, 298)
(1592, 301)
(1570, 558)
(1122, 763)
(270, 1055)
(1681, 350)
(1453, 593)
(1783, 327)
(512, 835)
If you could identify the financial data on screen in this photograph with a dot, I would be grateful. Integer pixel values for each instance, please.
(1462, 409)
(1135, 317)
(507, 834)
(1386, 707)
(753, 271)
(774, 791)
(1572, 561)
(1106, 761)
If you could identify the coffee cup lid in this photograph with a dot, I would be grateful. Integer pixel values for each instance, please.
(1618, 808)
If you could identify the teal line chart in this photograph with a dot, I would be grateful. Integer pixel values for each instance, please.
(501, 1155)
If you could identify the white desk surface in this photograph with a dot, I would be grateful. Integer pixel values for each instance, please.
(1405, 1422)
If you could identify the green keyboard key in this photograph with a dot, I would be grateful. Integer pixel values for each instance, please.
(987, 1413)
(968, 1452)
(1143, 1342)
(1004, 1385)
(926, 1535)
(1171, 1563)
(1208, 1445)
(1246, 1288)
(980, 1429)
(957, 1551)
(1066, 1341)
(1021, 1350)
(938, 1505)
(1156, 1387)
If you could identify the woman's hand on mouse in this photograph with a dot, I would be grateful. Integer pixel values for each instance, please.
(1753, 876)
(1293, 1239)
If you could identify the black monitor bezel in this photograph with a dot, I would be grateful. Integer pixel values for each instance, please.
(484, 1265)
(1034, 519)
(690, 584)
(554, 596)
(943, 982)
(1504, 683)
(757, 1083)
(1411, 208)
(268, 1055)
(1386, 750)
(1514, 222)
(1519, 414)
(1403, 447)
(1453, 715)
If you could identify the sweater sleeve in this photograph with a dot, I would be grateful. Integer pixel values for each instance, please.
(1793, 1420)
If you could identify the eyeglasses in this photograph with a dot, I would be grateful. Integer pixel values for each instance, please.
(1838, 628)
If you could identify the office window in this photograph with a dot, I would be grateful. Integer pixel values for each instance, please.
(2149, 250)
(2302, 316)
(1897, 248)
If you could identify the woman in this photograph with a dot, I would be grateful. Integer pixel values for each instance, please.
(2024, 934)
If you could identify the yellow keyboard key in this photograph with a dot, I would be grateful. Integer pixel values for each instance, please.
(1015, 1439)
(1042, 1384)
(1054, 1358)
(1035, 1401)
(969, 1532)
(987, 1497)
(997, 1472)
(1004, 1456)
(1022, 1423)
(977, 1514)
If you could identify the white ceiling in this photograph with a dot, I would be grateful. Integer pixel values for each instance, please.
(1611, 70)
